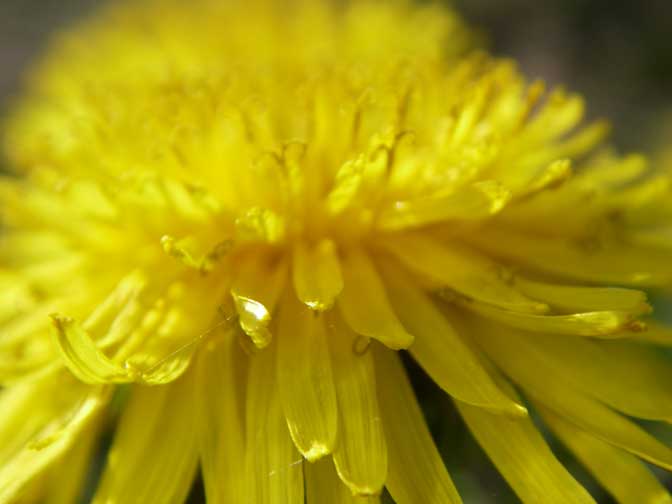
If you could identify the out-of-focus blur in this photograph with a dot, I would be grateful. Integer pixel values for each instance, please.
(616, 53)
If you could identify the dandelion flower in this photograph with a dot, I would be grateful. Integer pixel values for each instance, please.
(225, 219)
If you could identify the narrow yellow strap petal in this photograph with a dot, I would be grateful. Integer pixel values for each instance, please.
(524, 459)
(440, 350)
(260, 279)
(124, 294)
(191, 253)
(585, 299)
(49, 418)
(625, 375)
(18, 423)
(316, 272)
(585, 139)
(82, 356)
(127, 319)
(364, 305)
(305, 380)
(601, 324)
(347, 185)
(617, 264)
(67, 479)
(361, 452)
(478, 201)
(154, 455)
(466, 272)
(23, 328)
(615, 172)
(259, 224)
(586, 412)
(552, 176)
(16, 296)
(621, 474)
(219, 397)
(324, 487)
(274, 472)
(416, 472)
(605, 424)
(88, 363)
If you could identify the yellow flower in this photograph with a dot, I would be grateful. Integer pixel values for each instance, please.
(226, 217)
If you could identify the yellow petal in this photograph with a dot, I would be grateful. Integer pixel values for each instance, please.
(602, 324)
(627, 376)
(524, 459)
(16, 296)
(361, 452)
(347, 186)
(552, 176)
(624, 477)
(478, 201)
(586, 412)
(17, 424)
(358, 183)
(258, 224)
(88, 363)
(316, 271)
(465, 271)
(67, 479)
(25, 328)
(416, 472)
(153, 457)
(305, 380)
(364, 305)
(119, 313)
(606, 424)
(192, 253)
(618, 263)
(259, 281)
(440, 350)
(82, 356)
(559, 115)
(324, 487)
(219, 397)
(585, 299)
(41, 422)
(274, 472)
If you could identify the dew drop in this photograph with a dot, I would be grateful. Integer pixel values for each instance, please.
(254, 318)
(361, 345)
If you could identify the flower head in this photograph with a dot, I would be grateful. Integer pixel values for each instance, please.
(226, 218)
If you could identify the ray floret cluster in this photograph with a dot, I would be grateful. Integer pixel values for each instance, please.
(225, 219)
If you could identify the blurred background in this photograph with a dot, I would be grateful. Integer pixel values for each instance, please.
(616, 53)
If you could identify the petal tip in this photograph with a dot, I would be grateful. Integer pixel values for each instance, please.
(316, 451)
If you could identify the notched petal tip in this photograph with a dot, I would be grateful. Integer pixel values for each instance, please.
(357, 489)
(316, 452)
(60, 321)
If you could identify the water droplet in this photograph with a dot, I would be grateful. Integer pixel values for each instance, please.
(361, 345)
(254, 318)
